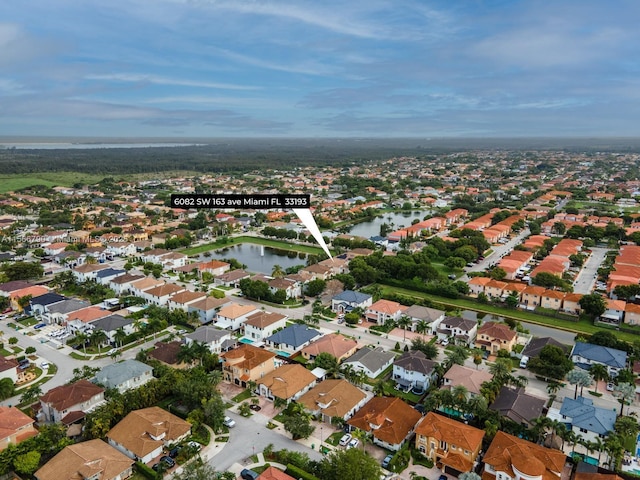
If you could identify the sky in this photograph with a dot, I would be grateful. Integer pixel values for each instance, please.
(320, 68)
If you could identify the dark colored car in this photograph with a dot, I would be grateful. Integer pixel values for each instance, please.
(443, 477)
(247, 474)
(173, 453)
(156, 467)
(170, 462)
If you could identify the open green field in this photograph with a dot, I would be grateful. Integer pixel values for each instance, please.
(48, 179)
(258, 241)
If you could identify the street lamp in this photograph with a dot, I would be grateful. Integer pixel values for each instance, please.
(321, 439)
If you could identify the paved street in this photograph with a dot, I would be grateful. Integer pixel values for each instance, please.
(587, 276)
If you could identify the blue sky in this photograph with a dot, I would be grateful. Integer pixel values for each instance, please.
(357, 68)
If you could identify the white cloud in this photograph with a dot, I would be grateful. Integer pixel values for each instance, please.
(160, 80)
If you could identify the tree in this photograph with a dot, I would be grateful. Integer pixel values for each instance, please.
(22, 270)
(593, 305)
(404, 322)
(598, 372)
(97, 338)
(579, 378)
(498, 273)
(429, 349)
(624, 392)
(31, 394)
(119, 336)
(27, 463)
(469, 476)
(277, 271)
(198, 470)
(6, 388)
(501, 370)
(297, 423)
(552, 362)
(82, 338)
(328, 362)
(352, 464)
(457, 355)
(315, 287)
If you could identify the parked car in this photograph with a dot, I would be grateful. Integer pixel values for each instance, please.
(442, 477)
(39, 326)
(173, 453)
(112, 351)
(44, 365)
(610, 387)
(353, 443)
(345, 439)
(229, 422)
(195, 445)
(445, 342)
(247, 474)
(386, 461)
(170, 462)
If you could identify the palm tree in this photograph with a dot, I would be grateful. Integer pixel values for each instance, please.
(553, 387)
(186, 354)
(624, 392)
(119, 336)
(501, 369)
(277, 272)
(200, 350)
(6, 388)
(422, 326)
(457, 355)
(82, 338)
(404, 322)
(31, 394)
(579, 378)
(97, 338)
(598, 372)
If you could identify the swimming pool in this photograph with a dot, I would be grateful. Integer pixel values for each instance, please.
(246, 340)
(282, 353)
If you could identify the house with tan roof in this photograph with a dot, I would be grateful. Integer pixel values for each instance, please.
(469, 378)
(334, 398)
(384, 310)
(494, 289)
(121, 285)
(511, 458)
(552, 299)
(263, 324)
(93, 459)
(231, 278)
(160, 295)
(182, 300)
(15, 426)
(571, 303)
(493, 337)
(531, 297)
(233, 316)
(424, 316)
(247, 363)
(207, 308)
(138, 287)
(80, 320)
(477, 285)
(337, 345)
(292, 289)
(287, 382)
(69, 403)
(389, 419)
(632, 314)
(452, 445)
(143, 434)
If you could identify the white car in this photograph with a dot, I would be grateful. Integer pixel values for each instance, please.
(112, 351)
(353, 443)
(610, 387)
(229, 422)
(44, 365)
(345, 439)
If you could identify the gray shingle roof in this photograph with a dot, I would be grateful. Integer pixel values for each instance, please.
(117, 373)
(597, 353)
(208, 334)
(112, 323)
(69, 305)
(372, 359)
(415, 361)
(585, 415)
(352, 297)
(294, 335)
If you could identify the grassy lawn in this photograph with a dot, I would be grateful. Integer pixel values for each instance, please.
(576, 326)
(5, 353)
(334, 438)
(48, 179)
(256, 240)
(27, 322)
(245, 395)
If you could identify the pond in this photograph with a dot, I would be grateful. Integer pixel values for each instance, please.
(397, 220)
(257, 258)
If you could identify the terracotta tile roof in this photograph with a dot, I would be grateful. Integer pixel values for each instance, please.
(146, 283)
(34, 291)
(164, 290)
(88, 314)
(272, 473)
(334, 343)
(187, 296)
(65, 396)
(386, 306)
(497, 330)
(209, 303)
(85, 459)
(389, 419)
(11, 420)
(287, 380)
(450, 431)
(507, 453)
(335, 398)
(7, 363)
(247, 356)
(135, 432)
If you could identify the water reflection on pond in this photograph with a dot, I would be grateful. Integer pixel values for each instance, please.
(258, 258)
